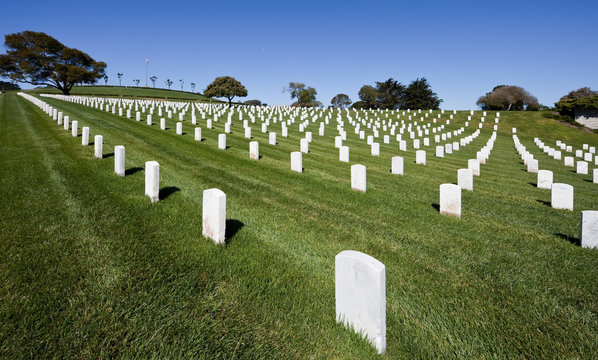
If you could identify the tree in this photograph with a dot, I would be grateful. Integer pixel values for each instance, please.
(583, 98)
(508, 97)
(341, 101)
(389, 94)
(168, 83)
(192, 86)
(580, 93)
(226, 86)
(419, 95)
(39, 59)
(153, 80)
(306, 96)
(5, 85)
(136, 81)
(368, 95)
(182, 83)
(119, 75)
(105, 79)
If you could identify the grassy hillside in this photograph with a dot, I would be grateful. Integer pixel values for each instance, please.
(90, 268)
(128, 92)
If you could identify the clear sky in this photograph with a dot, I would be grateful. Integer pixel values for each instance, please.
(463, 48)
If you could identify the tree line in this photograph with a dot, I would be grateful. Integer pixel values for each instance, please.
(38, 59)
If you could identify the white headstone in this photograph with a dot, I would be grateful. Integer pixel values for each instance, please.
(272, 138)
(75, 128)
(179, 128)
(582, 167)
(152, 180)
(222, 141)
(465, 179)
(420, 157)
(254, 150)
(149, 119)
(66, 122)
(544, 179)
(197, 134)
(474, 166)
(589, 229)
(85, 136)
(343, 154)
(297, 161)
(98, 146)
(358, 177)
(440, 151)
(562, 196)
(397, 165)
(450, 200)
(119, 160)
(304, 146)
(214, 215)
(532, 165)
(360, 292)
(248, 133)
(162, 124)
(595, 177)
(375, 149)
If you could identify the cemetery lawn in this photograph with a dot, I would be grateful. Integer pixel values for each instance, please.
(90, 268)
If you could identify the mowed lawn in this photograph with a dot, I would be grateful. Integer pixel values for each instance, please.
(90, 268)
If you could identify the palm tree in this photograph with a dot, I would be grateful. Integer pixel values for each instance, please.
(105, 79)
(168, 82)
(136, 81)
(153, 79)
(182, 83)
(192, 87)
(120, 75)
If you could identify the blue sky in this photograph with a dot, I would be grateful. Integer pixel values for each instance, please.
(463, 48)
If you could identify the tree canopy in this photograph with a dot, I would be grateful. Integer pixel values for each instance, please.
(39, 59)
(341, 101)
(391, 94)
(583, 98)
(508, 97)
(419, 95)
(226, 86)
(305, 95)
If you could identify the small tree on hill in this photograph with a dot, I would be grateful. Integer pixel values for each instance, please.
(182, 83)
(192, 86)
(341, 101)
(153, 80)
(119, 75)
(389, 94)
(227, 87)
(508, 97)
(168, 83)
(106, 80)
(136, 81)
(39, 59)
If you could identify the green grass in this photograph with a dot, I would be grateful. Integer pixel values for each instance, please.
(128, 92)
(90, 268)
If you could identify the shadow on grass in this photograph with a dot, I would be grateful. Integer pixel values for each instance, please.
(571, 239)
(436, 206)
(547, 203)
(132, 171)
(167, 191)
(108, 155)
(232, 228)
(588, 180)
(533, 184)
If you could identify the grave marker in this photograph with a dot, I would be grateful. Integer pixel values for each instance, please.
(360, 293)
(152, 180)
(119, 160)
(562, 196)
(450, 200)
(358, 177)
(214, 215)
(589, 229)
